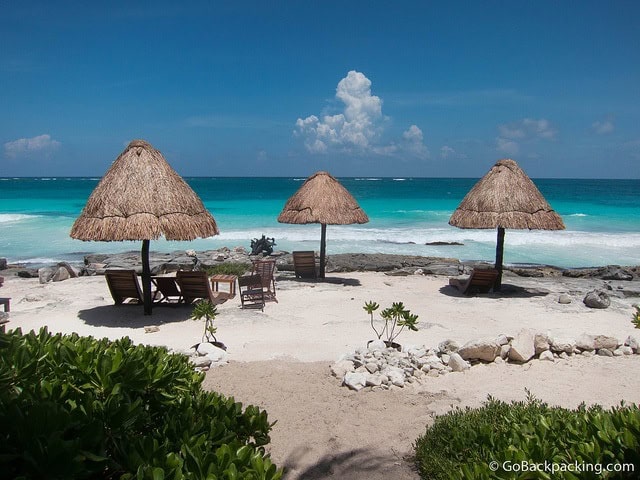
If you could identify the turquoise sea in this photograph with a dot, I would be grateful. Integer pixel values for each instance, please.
(602, 219)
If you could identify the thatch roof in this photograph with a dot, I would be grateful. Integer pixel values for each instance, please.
(505, 197)
(141, 198)
(322, 199)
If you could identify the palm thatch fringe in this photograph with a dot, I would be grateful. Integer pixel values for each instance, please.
(322, 199)
(141, 198)
(505, 197)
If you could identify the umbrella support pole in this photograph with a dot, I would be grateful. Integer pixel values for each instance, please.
(323, 248)
(146, 278)
(499, 257)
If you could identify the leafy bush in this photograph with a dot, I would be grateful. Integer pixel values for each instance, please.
(229, 268)
(635, 319)
(463, 443)
(77, 407)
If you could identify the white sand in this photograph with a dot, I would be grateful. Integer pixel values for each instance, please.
(280, 357)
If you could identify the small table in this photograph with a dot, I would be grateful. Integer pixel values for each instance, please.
(216, 280)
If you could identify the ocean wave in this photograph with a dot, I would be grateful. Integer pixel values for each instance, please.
(577, 215)
(367, 179)
(399, 179)
(15, 217)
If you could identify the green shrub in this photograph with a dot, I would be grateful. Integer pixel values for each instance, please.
(635, 318)
(463, 443)
(229, 268)
(77, 407)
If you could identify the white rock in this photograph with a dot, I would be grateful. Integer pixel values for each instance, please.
(341, 367)
(200, 362)
(547, 356)
(626, 350)
(60, 274)
(396, 378)
(605, 352)
(371, 367)
(377, 345)
(504, 351)
(618, 352)
(564, 299)
(217, 355)
(541, 342)
(499, 360)
(633, 342)
(355, 381)
(445, 358)
(522, 346)
(482, 349)
(562, 345)
(373, 380)
(502, 339)
(604, 341)
(448, 346)
(457, 363)
(586, 342)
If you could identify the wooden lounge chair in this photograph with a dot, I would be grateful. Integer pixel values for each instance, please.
(480, 281)
(196, 285)
(304, 264)
(251, 291)
(5, 302)
(167, 290)
(266, 269)
(124, 286)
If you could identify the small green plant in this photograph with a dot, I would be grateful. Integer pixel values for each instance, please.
(205, 309)
(396, 316)
(636, 316)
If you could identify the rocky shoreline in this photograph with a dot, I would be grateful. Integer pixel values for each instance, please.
(391, 264)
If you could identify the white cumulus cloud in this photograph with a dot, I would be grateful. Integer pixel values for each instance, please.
(358, 127)
(604, 127)
(511, 135)
(413, 142)
(449, 152)
(24, 147)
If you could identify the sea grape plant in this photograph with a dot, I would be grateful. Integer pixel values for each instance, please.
(394, 317)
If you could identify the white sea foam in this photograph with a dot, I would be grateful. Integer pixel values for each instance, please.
(577, 215)
(15, 217)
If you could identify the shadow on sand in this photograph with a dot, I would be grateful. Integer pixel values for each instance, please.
(347, 282)
(508, 291)
(352, 465)
(132, 316)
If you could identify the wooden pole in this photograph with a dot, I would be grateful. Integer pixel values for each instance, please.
(146, 278)
(499, 257)
(323, 248)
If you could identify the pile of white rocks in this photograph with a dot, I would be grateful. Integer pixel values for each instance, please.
(382, 368)
(206, 355)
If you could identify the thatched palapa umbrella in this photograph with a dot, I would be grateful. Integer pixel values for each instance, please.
(505, 198)
(141, 198)
(322, 199)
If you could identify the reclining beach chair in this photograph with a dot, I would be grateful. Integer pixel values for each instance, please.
(251, 291)
(5, 302)
(167, 290)
(304, 264)
(124, 286)
(266, 270)
(480, 281)
(195, 285)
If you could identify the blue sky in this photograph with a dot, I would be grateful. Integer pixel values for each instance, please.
(372, 88)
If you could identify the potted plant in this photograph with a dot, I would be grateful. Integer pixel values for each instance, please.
(394, 317)
(205, 309)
